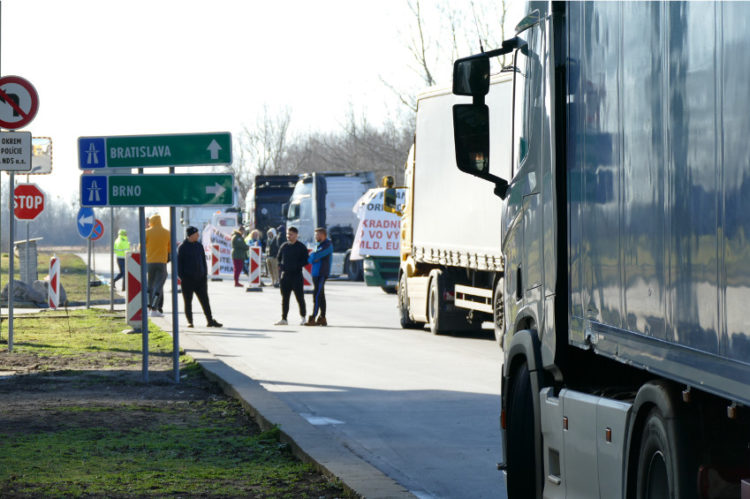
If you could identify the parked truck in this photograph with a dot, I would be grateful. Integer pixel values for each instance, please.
(265, 199)
(326, 200)
(450, 254)
(377, 241)
(624, 228)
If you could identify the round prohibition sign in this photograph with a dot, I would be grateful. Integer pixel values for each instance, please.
(19, 102)
(97, 231)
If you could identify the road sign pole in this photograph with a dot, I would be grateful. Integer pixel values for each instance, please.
(11, 236)
(88, 274)
(144, 291)
(175, 310)
(112, 259)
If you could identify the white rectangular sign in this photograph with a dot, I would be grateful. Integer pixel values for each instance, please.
(15, 151)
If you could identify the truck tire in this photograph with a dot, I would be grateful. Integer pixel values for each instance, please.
(391, 290)
(522, 476)
(435, 305)
(665, 468)
(498, 312)
(353, 269)
(403, 306)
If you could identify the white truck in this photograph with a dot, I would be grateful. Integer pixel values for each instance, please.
(326, 200)
(450, 242)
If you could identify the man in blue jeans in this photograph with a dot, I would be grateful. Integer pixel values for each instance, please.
(321, 269)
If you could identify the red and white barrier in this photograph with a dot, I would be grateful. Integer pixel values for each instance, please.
(133, 289)
(254, 269)
(53, 290)
(307, 275)
(215, 262)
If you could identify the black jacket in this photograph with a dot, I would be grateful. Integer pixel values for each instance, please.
(191, 261)
(292, 258)
(273, 246)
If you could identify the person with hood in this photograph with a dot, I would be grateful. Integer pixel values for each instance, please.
(321, 269)
(272, 250)
(239, 254)
(121, 246)
(193, 273)
(157, 256)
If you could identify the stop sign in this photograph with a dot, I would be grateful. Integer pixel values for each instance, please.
(28, 201)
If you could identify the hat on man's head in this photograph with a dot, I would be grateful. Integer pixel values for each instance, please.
(191, 230)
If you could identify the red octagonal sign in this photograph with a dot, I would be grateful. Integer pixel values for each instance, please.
(28, 201)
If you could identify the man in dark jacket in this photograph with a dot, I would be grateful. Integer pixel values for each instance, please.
(321, 269)
(292, 258)
(191, 267)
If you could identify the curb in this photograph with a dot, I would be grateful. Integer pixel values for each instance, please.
(307, 443)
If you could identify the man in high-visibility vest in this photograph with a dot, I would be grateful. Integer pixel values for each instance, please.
(121, 246)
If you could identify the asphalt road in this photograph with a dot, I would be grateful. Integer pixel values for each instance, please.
(421, 408)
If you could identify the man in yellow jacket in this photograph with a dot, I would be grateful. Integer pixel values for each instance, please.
(157, 255)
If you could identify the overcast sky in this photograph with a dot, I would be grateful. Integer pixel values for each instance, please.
(173, 66)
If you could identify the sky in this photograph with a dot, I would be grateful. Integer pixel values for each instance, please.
(105, 67)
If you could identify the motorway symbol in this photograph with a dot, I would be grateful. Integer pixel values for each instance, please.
(210, 189)
(97, 231)
(15, 151)
(19, 102)
(85, 222)
(155, 150)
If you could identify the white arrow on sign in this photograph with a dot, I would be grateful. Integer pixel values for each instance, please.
(85, 220)
(216, 189)
(214, 147)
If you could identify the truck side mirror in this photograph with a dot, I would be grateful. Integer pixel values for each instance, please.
(390, 203)
(471, 131)
(471, 76)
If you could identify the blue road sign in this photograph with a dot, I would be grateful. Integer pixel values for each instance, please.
(94, 190)
(92, 153)
(85, 222)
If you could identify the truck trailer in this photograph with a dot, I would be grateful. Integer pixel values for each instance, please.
(450, 255)
(624, 227)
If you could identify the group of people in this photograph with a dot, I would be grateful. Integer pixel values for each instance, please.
(285, 257)
(191, 268)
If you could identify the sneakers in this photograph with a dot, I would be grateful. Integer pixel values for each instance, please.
(322, 321)
(310, 322)
(214, 323)
(190, 324)
(282, 322)
(237, 285)
(156, 313)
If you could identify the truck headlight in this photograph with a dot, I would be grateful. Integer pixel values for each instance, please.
(368, 264)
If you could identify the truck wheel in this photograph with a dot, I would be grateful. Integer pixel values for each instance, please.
(521, 450)
(498, 312)
(353, 269)
(403, 307)
(391, 290)
(663, 461)
(435, 302)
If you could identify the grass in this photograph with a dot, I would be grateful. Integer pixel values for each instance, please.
(75, 431)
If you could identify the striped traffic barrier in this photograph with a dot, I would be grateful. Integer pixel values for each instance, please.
(307, 276)
(53, 290)
(254, 270)
(133, 289)
(215, 262)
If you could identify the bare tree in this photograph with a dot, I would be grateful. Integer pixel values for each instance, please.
(261, 150)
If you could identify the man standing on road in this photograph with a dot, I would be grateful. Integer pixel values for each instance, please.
(321, 269)
(193, 272)
(157, 253)
(292, 258)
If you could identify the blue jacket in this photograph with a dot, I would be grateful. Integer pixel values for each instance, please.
(321, 259)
